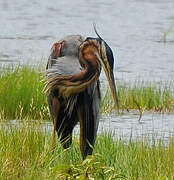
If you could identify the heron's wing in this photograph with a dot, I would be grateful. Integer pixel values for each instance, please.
(65, 122)
(63, 66)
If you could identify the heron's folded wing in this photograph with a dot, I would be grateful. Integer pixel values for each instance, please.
(63, 66)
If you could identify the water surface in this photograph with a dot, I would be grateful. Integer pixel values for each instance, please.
(131, 27)
(152, 126)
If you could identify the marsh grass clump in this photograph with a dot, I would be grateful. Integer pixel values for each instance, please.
(21, 93)
(26, 153)
(137, 159)
(142, 96)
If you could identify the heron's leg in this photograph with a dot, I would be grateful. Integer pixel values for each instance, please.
(80, 117)
(87, 131)
(86, 134)
(66, 137)
(56, 108)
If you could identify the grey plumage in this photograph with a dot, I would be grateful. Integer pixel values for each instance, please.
(68, 63)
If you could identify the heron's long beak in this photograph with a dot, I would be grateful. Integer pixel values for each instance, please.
(111, 79)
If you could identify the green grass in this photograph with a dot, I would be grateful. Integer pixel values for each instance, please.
(26, 153)
(142, 96)
(21, 93)
(22, 96)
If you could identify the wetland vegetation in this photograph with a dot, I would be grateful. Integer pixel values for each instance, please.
(26, 153)
(22, 96)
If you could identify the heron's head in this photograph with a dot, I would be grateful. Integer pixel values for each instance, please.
(106, 58)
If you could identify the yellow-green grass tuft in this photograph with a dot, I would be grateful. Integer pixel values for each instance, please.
(26, 153)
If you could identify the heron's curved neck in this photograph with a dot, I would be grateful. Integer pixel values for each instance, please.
(90, 73)
(90, 63)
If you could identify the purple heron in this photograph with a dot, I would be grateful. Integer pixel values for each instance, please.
(73, 88)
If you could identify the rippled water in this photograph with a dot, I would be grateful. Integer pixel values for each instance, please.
(126, 127)
(133, 29)
(151, 126)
